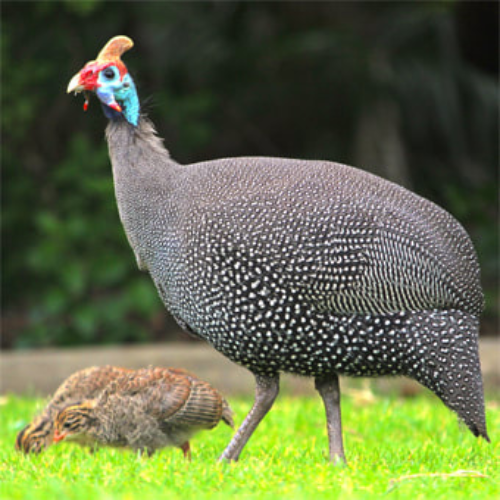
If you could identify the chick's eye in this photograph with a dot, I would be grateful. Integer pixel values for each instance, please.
(66, 425)
(108, 73)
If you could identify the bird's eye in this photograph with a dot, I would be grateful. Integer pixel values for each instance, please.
(66, 425)
(108, 73)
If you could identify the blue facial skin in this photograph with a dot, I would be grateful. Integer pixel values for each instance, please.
(113, 90)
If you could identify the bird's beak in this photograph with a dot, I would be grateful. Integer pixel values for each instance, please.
(59, 436)
(75, 84)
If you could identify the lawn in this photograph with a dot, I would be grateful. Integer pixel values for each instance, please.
(397, 448)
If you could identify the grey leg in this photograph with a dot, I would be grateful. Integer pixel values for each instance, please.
(266, 390)
(330, 392)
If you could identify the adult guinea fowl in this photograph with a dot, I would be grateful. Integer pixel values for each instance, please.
(86, 383)
(145, 410)
(308, 267)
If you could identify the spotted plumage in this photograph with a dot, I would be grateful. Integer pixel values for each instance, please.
(145, 410)
(86, 383)
(307, 267)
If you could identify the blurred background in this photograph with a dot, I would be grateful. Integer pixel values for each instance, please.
(407, 90)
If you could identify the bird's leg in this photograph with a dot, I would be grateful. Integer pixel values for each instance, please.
(329, 390)
(186, 449)
(266, 390)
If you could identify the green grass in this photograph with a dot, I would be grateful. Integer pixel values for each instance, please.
(387, 440)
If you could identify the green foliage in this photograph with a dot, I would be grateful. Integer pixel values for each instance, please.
(75, 309)
(227, 78)
(400, 449)
(74, 304)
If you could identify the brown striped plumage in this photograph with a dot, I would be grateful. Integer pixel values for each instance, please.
(83, 384)
(145, 410)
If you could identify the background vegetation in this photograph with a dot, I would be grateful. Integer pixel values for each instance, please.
(407, 90)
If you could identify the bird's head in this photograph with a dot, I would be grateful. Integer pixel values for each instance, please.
(75, 422)
(110, 80)
(35, 437)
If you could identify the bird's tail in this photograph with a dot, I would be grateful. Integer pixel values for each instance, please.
(227, 413)
(446, 361)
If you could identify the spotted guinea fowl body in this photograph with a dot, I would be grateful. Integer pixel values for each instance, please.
(309, 267)
(83, 384)
(147, 409)
(304, 266)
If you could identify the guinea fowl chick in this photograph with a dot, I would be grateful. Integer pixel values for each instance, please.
(145, 410)
(83, 384)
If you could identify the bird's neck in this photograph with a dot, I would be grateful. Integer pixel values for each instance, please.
(138, 154)
(144, 177)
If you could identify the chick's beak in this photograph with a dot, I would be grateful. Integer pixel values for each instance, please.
(59, 436)
(76, 85)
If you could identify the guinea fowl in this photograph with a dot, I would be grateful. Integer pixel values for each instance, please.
(86, 383)
(308, 267)
(145, 410)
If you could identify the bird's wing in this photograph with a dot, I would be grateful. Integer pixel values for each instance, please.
(155, 391)
(174, 398)
(203, 390)
(203, 408)
(359, 262)
(375, 269)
